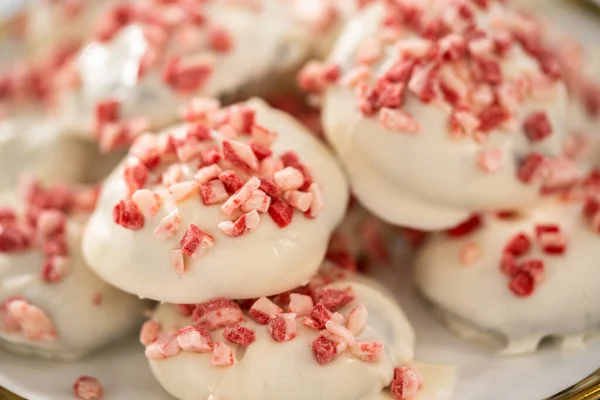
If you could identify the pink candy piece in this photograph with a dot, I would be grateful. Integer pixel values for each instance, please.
(289, 178)
(182, 191)
(209, 173)
(168, 226)
(240, 155)
(406, 384)
(242, 225)
(164, 347)
(50, 223)
(318, 204)
(470, 253)
(311, 323)
(35, 323)
(239, 334)
(320, 314)
(147, 202)
(551, 238)
(195, 242)
(213, 192)
(172, 175)
(263, 310)
(263, 136)
(150, 332)
(258, 201)
(54, 268)
(300, 304)
(135, 175)
(222, 355)
(299, 200)
(194, 339)
(217, 313)
(340, 331)
(283, 327)
(490, 160)
(269, 166)
(177, 261)
(241, 118)
(369, 351)
(399, 121)
(87, 388)
(241, 196)
(357, 319)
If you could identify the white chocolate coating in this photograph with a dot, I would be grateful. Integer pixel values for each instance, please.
(266, 42)
(288, 370)
(477, 296)
(87, 312)
(33, 144)
(268, 260)
(429, 180)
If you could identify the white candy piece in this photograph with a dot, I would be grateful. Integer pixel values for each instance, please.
(264, 261)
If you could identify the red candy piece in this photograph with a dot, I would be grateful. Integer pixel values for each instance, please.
(127, 214)
(334, 299)
(324, 350)
(217, 313)
(270, 188)
(281, 212)
(537, 126)
(320, 314)
(466, 227)
(195, 242)
(522, 284)
(231, 181)
(518, 245)
(239, 334)
(87, 388)
(530, 167)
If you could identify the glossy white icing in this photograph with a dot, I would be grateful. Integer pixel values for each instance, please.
(266, 261)
(476, 301)
(267, 369)
(428, 179)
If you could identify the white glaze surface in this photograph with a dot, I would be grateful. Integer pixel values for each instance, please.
(267, 260)
(429, 180)
(33, 144)
(81, 325)
(288, 370)
(477, 296)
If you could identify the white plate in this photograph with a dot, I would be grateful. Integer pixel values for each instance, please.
(125, 375)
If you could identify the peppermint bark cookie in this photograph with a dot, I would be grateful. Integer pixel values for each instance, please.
(51, 304)
(239, 204)
(515, 279)
(439, 108)
(340, 340)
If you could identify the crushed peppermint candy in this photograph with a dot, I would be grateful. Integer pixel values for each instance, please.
(87, 388)
(244, 178)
